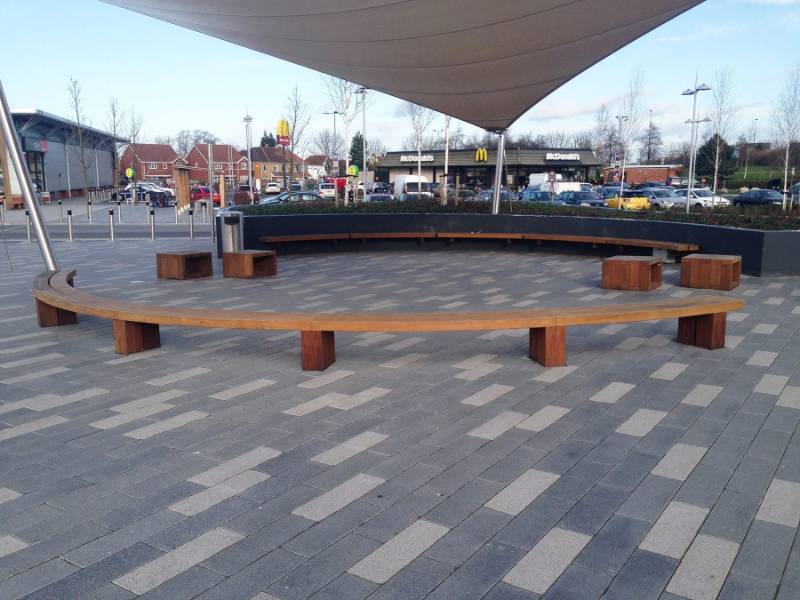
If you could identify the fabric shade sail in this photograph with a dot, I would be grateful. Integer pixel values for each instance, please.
(483, 61)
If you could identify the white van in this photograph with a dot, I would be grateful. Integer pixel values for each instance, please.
(536, 179)
(559, 186)
(412, 186)
(327, 190)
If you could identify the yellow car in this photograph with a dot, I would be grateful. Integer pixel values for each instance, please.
(629, 202)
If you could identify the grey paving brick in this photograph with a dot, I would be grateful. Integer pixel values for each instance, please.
(522, 491)
(645, 575)
(540, 567)
(337, 498)
(704, 568)
(781, 504)
(674, 530)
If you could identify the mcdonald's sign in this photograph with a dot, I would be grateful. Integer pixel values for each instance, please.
(481, 155)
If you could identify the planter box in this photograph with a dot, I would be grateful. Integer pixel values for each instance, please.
(762, 252)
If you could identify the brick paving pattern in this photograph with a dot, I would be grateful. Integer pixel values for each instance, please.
(440, 466)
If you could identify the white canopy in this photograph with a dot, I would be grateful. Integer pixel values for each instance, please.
(483, 61)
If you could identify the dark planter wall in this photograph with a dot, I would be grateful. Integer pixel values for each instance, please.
(762, 252)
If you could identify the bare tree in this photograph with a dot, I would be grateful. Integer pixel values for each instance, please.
(183, 142)
(135, 122)
(722, 114)
(329, 146)
(632, 111)
(163, 139)
(114, 124)
(605, 140)
(376, 151)
(76, 106)
(298, 117)
(342, 95)
(787, 121)
(421, 118)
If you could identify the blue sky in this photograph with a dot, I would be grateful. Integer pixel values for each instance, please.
(178, 79)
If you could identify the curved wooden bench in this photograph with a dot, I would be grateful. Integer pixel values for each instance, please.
(701, 320)
(483, 235)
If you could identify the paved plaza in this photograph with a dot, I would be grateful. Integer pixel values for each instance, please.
(440, 466)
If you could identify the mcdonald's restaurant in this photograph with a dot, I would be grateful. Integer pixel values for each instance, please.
(475, 167)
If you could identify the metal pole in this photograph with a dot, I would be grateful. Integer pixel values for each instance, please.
(691, 150)
(176, 212)
(111, 222)
(119, 212)
(2, 213)
(191, 224)
(364, 138)
(248, 134)
(498, 173)
(28, 224)
(60, 212)
(20, 167)
(446, 158)
(89, 206)
(69, 225)
(152, 224)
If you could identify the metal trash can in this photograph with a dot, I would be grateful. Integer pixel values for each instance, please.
(231, 238)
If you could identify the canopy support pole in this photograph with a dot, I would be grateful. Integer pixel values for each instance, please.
(14, 147)
(498, 174)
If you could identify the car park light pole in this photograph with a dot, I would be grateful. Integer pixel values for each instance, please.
(622, 120)
(247, 122)
(334, 156)
(501, 149)
(692, 150)
(362, 91)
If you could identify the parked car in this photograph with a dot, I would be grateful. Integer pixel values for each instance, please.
(536, 195)
(609, 191)
(758, 197)
(662, 198)
(296, 186)
(465, 195)
(327, 190)
(631, 200)
(381, 188)
(201, 193)
(272, 187)
(592, 199)
(379, 197)
(702, 197)
(288, 197)
(649, 185)
(506, 195)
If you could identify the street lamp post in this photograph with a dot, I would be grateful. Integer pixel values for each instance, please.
(247, 122)
(692, 150)
(446, 158)
(334, 156)
(362, 91)
(622, 119)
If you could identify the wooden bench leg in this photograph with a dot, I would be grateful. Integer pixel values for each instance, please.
(705, 331)
(318, 350)
(130, 337)
(51, 316)
(548, 346)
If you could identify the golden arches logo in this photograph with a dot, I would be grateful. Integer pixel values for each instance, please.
(481, 155)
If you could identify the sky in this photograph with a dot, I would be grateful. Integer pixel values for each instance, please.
(179, 79)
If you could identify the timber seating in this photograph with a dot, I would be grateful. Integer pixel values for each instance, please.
(632, 273)
(450, 236)
(185, 264)
(711, 271)
(249, 264)
(701, 321)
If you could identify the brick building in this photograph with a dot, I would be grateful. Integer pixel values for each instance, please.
(640, 173)
(153, 162)
(227, 161)
(268, 165)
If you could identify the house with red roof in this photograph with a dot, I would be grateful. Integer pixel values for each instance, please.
(153, 162)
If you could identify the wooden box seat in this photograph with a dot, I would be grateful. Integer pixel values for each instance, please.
(632, 273)
(711, 271)
(248, 264)
(185, 264)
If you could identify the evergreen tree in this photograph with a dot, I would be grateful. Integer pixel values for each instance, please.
(268, 140)
(357, 150)
(705, 158)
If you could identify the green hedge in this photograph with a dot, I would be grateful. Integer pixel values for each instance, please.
(752, 218)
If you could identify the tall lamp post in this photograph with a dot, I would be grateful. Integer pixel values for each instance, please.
(248, 120)
(622, 120)
(362, 91)
(693, 92)
(446, 158)
(747, 156)
(334, 156)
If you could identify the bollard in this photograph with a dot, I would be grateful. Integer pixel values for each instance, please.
(111, 222)
(119, 212)
(60, 212)
(69, 224)
(152, 224)
(205, 208)
(89, 207)
(2, 213)
(176, 212)
(28, 224)
(191, 224)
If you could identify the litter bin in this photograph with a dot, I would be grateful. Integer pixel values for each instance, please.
(231, 237)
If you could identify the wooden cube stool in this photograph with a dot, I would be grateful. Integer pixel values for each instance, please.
(711, 271)
(632, 273)
(183, 265)
(248, 264)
